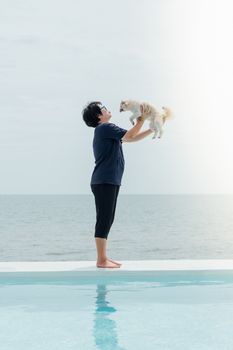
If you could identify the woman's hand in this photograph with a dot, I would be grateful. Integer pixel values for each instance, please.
(140, 119)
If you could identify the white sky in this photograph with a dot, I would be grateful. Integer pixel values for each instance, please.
(58, 55)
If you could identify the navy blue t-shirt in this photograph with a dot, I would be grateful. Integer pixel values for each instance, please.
(108, 153)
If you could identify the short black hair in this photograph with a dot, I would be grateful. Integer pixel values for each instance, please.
(91, 112)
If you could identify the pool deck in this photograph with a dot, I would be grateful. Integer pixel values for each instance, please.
(127, 265)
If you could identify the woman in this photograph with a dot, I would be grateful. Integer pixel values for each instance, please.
(108, 171)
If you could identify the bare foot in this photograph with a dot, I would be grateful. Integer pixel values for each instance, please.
(107, 264)
(115, 262)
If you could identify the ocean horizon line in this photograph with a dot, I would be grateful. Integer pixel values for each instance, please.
(122, 194)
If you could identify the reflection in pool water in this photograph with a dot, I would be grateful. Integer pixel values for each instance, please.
(105, 328)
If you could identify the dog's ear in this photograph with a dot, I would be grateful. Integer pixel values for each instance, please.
(141, 108)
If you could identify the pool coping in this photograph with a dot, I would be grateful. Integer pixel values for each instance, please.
(127, 265)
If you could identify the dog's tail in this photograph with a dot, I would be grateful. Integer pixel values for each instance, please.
(167, 114)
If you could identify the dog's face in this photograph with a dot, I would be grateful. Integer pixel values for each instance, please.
(124, 106)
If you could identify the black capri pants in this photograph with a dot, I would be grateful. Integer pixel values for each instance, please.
(105, 202)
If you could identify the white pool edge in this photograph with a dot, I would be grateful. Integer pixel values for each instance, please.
(127, 265)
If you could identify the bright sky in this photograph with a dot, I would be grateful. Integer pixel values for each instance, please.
(58, 55)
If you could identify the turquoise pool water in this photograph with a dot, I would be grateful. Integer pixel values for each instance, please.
(142, 310)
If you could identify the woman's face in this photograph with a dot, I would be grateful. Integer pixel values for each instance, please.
(106, 115)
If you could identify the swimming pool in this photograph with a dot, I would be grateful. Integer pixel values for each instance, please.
(144, 305)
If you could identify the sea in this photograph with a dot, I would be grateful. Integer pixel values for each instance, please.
(61, 227)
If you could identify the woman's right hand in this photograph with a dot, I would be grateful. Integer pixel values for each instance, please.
(140, 119)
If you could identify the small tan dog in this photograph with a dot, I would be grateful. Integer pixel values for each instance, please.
(147, 111)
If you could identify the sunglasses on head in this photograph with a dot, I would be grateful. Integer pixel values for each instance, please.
(103, 107)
